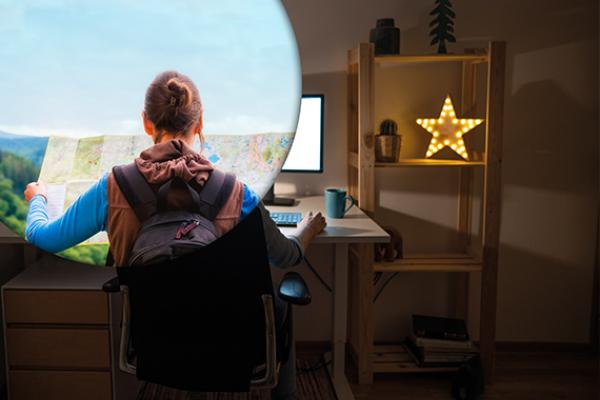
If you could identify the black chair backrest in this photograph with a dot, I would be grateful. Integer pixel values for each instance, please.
(197, 323)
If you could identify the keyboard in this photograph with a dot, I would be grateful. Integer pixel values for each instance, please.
(286, 218)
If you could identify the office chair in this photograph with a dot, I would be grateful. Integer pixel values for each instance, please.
(206, 321)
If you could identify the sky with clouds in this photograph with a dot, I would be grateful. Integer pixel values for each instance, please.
(73, 67)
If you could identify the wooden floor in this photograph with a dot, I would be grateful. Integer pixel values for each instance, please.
(519, 376)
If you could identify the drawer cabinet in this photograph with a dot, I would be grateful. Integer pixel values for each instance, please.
(55, 307)
(58, 348)
(61, 333)
(60, 385)
(57, 344)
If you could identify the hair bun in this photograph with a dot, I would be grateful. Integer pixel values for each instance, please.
(172, 104)
(181, 95)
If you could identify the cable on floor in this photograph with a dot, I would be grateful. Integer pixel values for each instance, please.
(322, 363)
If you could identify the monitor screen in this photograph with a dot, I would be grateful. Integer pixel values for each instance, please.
(306, 154)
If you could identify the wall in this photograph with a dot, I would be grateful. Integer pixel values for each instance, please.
(550, 166)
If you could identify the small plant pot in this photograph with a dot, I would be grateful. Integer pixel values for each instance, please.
(387, 148)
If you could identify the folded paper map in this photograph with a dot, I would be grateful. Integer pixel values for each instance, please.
(72, 165)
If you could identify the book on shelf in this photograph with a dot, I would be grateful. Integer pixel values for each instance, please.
(439, 342)
(425, 326)
(424, 358)
(442, 345)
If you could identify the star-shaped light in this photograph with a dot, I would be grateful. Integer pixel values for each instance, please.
(448, 130)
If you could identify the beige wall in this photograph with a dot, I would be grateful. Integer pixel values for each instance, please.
(550, 170)
(550, 173)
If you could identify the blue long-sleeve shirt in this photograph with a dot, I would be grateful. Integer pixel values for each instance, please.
(89, 213)
(86, 217)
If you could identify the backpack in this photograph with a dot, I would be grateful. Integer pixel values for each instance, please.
(166, 234)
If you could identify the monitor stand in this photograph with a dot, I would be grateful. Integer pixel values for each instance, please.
(271, 200)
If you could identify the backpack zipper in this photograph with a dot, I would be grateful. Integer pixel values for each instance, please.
(186, 228)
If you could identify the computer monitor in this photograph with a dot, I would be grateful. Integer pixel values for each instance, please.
(306, 154)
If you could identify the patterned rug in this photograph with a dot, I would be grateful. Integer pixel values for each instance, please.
(312, 380)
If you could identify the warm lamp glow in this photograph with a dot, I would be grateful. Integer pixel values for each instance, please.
(446, 133)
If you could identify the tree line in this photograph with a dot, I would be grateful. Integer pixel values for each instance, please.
(15, 173)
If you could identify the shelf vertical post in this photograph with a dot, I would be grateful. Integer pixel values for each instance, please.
(352, 138)
(492, 205)
(468, 100)
(366, 137)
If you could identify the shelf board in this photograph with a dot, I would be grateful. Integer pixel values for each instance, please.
(427, 162)
(395, 358)
(431, 58)
(431, 263)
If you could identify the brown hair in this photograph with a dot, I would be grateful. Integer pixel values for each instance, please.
(172, 104)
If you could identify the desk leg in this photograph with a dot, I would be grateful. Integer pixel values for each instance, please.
(340, 314)
(362, 310)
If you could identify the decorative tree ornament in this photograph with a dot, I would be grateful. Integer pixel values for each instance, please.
(444, 25)
(448, 130)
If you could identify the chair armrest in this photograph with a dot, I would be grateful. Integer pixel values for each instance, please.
(294, 290)
(112, 286)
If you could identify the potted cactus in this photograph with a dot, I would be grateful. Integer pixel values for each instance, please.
(388, 142)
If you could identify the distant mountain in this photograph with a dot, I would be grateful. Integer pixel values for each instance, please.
(30, 147)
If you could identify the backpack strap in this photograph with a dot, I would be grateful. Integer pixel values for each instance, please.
(216, 192)
(144, 202)
(209, 199)
(137, 191)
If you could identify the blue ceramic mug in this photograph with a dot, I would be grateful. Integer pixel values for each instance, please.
(335, 203)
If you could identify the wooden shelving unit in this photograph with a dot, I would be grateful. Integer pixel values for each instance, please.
(417, 162)
(476, 256)
(431, 263)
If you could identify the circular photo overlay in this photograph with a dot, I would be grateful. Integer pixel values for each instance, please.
(178, 89)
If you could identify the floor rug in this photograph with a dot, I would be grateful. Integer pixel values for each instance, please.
(313, 383)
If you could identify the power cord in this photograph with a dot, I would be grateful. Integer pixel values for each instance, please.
(381, 289)
(322, 363)
(314, 271)
(377, 277)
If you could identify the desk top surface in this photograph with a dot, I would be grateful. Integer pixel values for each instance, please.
(55, 273)
(355, 227)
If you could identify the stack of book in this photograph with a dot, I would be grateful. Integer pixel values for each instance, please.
(439, 342)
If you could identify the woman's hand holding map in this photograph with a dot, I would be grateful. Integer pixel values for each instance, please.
(35, 188)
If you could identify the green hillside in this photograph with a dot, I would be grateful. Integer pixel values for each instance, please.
(13, 209)
(19, 170)
(29, 147)
(15, 173)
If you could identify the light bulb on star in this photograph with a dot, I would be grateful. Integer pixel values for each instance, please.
(448, 130)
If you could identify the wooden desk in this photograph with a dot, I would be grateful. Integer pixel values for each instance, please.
(355, 228)
(62, 330)
(62, 334)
